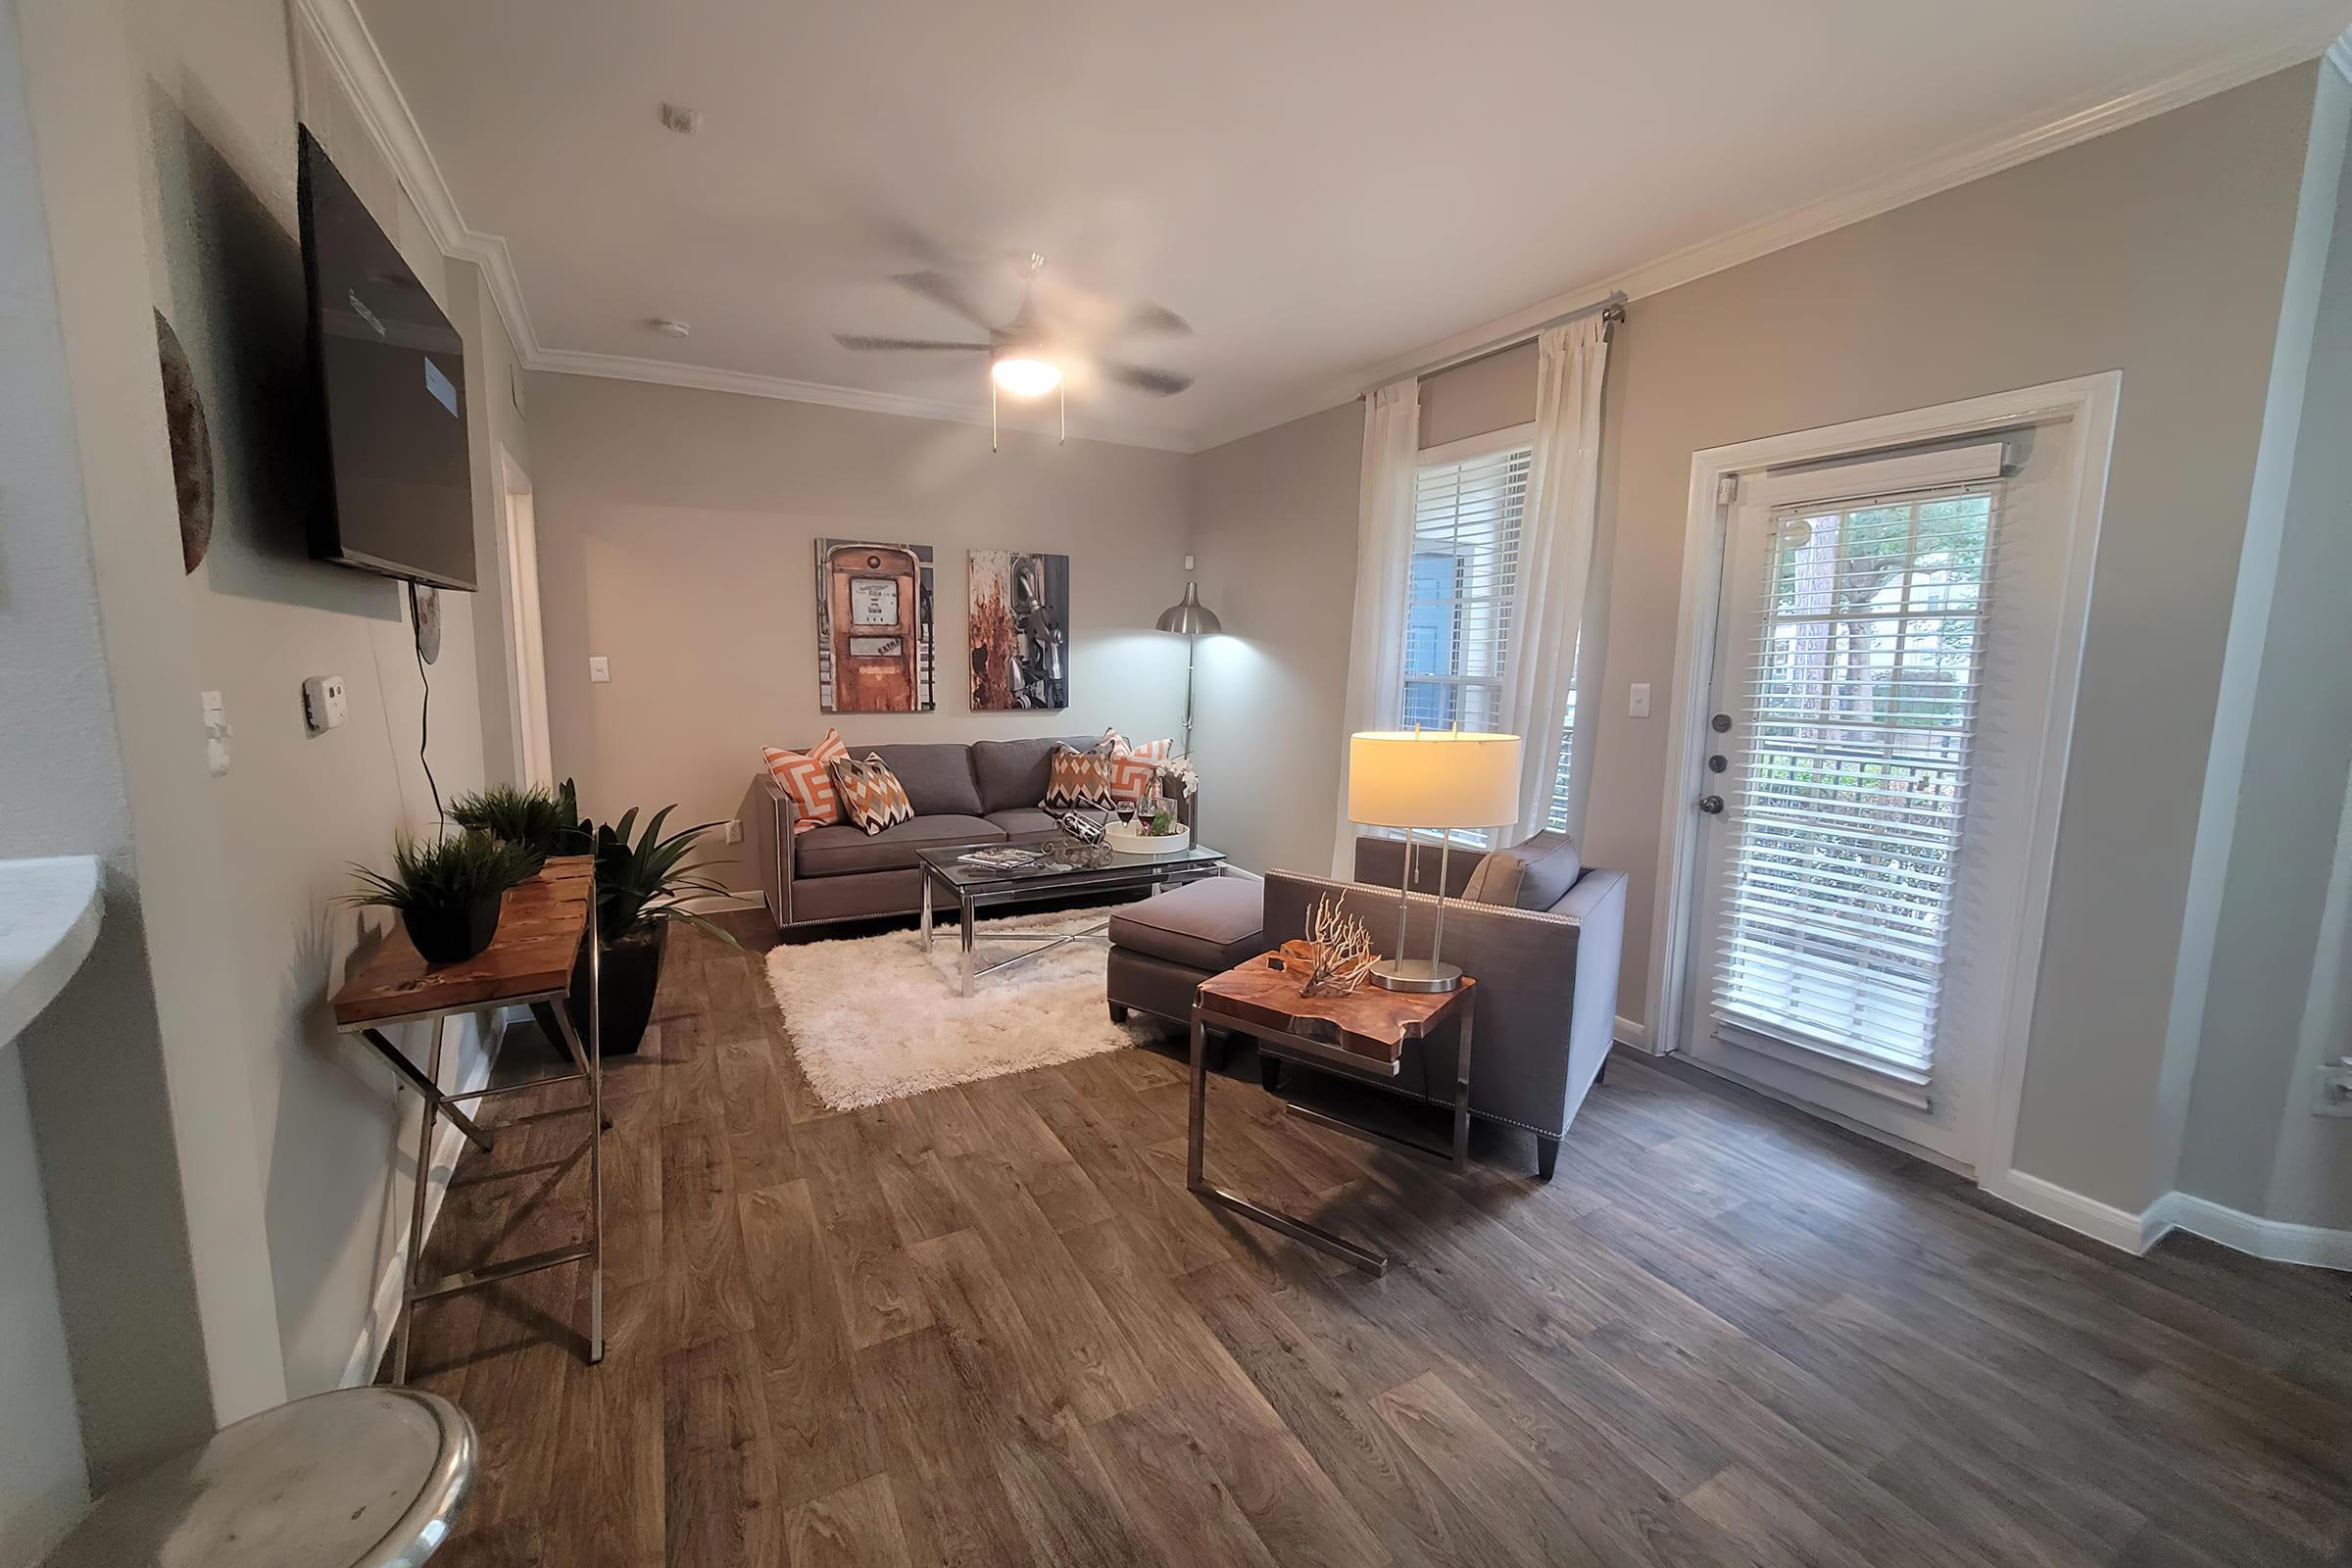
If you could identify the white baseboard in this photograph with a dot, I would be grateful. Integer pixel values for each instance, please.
(2119, 1228)
(376, 1333)
(1630, 1033)
(2278, 1240)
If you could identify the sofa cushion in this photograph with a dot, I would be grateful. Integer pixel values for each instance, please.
(1012, 773)
(936, 776)
(1209, 925)
(1533, 875)
(833, 850)
(871, 796)
(1077, 778)
(1022, 823)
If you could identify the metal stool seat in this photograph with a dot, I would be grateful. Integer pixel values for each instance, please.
(372, 1477)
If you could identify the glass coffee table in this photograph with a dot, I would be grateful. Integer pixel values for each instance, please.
(1062, 869)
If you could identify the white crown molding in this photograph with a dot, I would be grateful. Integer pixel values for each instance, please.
(359, 69)
(2256, 57)
(745, 383)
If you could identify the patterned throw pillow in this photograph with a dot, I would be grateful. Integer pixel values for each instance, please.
(1077, 778)
(807, 776)
(1134, 767)
(871, 794)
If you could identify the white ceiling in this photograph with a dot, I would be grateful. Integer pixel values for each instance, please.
(1321, 186)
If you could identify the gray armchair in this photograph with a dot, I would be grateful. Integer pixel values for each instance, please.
(1540, 932)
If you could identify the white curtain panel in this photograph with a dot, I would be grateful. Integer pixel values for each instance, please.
(1555, 565)
(1383, 546)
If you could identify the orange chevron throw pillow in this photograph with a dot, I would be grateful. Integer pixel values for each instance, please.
(871, 794)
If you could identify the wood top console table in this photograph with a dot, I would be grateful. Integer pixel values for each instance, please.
(1362, 1033)
(542, 929)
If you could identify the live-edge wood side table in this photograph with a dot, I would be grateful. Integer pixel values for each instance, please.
(1361, 1034)
(541, 929)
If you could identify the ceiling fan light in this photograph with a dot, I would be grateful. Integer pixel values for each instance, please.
(1025, 376)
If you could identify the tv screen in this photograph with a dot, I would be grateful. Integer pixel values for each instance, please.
(390, 374)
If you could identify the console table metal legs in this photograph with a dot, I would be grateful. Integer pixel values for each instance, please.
(588, 1068)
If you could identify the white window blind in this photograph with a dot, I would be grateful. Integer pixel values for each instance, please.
(1848, 806)
(1466, 521)
(1465, 567)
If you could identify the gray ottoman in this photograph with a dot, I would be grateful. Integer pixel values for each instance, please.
(1164, 946)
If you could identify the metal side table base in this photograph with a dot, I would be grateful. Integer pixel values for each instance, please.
(1298, 1230)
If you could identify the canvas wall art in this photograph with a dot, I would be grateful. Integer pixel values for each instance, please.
(1020, 630)
(873, 628)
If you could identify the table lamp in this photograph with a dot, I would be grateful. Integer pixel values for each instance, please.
(1444, 779)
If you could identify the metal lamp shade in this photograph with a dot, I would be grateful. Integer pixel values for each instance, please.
(1190, 617)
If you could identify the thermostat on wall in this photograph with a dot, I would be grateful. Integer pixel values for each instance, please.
(325, 702)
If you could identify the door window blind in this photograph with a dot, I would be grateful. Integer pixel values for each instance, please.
(1848, 807)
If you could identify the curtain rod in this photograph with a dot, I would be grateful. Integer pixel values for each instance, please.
(1611, 309)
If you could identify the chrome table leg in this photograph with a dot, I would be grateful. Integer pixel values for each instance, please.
(1195, 1178)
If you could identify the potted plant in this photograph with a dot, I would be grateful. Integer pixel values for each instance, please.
(448, 891)
(538, 820)
(641, 886)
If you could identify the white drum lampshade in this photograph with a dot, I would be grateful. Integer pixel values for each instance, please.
(1442, 779)
(1439, 778)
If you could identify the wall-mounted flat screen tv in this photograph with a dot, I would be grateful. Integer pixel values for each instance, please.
(389, 372)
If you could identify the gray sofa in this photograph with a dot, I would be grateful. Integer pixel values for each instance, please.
(1540, 932)
(963, 794)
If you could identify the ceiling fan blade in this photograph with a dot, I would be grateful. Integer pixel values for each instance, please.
(853, 340)
(1157, 382)
(1146, 316)
(940, 290)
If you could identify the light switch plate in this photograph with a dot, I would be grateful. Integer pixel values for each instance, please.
(1638, 704)
(216, 733)
(598, 669)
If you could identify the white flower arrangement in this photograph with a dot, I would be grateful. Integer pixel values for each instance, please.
(1175, 779)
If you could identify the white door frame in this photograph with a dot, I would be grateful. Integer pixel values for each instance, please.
(525, 652)
(2090, 403)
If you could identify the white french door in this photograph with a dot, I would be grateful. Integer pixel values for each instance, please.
(1862, 803)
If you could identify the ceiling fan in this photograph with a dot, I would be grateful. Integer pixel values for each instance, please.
(1026, 356)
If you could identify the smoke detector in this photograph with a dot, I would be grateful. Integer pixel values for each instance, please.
(681, 118)
(668, 327)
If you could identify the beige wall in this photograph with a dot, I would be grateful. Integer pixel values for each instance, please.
(2158, 250)
(1491, 393)
(1274, 528)
(677, 539)
(2259, 1051)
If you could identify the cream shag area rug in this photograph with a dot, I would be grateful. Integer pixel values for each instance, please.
(875, 1018)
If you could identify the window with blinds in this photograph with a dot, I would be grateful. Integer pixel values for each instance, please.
(1848, 801)
(1465, 563)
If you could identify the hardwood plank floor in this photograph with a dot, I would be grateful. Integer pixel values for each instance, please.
(989, 1326)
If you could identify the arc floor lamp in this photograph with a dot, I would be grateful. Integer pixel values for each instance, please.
(1192, 620)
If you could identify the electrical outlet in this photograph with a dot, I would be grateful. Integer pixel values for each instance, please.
(1637, 704)
(216, 733)
(2335, 1088)
(598, 669)
(735, 832)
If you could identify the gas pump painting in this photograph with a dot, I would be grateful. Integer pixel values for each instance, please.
(1020, 630)
(873, 628)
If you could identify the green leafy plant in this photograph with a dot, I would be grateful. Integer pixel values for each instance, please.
(642, 883)
(449, 874)
(539, 820)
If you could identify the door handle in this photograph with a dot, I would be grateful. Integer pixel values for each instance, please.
(1712, 804)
